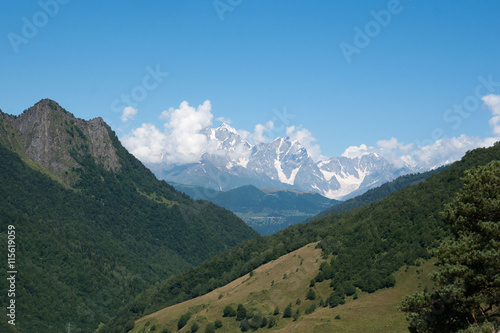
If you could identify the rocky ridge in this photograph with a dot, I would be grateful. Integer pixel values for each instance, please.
(55, 139)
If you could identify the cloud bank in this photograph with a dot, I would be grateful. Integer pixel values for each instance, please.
(437, 153)
(182, 140)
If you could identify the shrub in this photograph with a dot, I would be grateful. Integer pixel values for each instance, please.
(229, 311)
(311, 295)
(256, 321)
(241, 312)
(288, 311)
(210, 328)
(244, 325)
(183, 320)
(272, 322)
(311, 309)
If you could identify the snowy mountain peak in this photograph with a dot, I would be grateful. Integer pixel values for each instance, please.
(226, 127)
(225, 137)
(281, 163)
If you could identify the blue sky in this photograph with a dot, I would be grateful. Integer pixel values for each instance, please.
(413, 61)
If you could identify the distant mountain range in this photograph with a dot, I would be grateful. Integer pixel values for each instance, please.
(265, 210)
(270, 210)
(282, 163)
(379, 193)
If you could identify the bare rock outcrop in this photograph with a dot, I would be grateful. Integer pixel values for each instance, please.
(53, 137)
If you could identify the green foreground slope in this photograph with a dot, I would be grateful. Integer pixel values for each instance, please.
(85, 249)
(368, 244)
(272, 287)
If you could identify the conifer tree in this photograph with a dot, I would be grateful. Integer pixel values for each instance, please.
(288, 311)
(468, 293)
(241, 312)
(311, 295)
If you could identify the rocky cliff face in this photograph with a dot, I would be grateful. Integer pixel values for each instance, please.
(54, 138)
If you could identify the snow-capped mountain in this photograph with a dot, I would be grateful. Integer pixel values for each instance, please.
(232, 162)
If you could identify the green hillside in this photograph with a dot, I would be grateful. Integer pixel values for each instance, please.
(285, 281)
(90, 238)
(367, 245)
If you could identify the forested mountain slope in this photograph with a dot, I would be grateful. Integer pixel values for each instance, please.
(265, 210)
(94, 227)
(368, 244)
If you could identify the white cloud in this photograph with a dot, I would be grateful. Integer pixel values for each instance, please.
(165, 115)
(245, 135)
(445, 151)
(393, 143)
(305, 138)
(390, 149)
(128, 113)
(224, 120)
(258, 135)
(182, 140)
(395, 151)
(437, 153)
(187, 143)
(146, 143)
(492, 102)
(354, 151)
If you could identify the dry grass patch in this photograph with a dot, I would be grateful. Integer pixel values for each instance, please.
(283, 281)
(267, 288)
